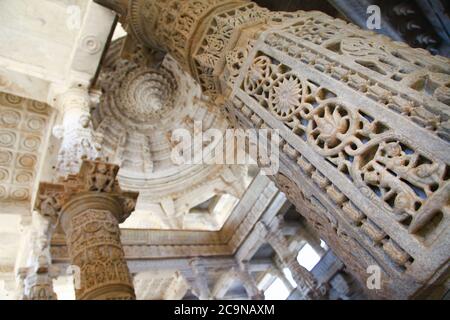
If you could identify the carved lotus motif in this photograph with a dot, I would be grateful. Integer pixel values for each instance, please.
(285, 96)
(330, 126)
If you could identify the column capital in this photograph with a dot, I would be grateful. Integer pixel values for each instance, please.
(199, 285)
(75, 96)
(95, 179)
(40, 287)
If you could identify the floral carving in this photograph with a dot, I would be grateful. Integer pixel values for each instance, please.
(285, 95)
(370, 133)
(331, 125)
(259, 71)
(359, 47)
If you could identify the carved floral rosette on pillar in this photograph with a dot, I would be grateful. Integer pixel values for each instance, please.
(364, 124)
(90, 206)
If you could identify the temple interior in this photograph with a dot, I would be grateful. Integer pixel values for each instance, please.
(224, 150)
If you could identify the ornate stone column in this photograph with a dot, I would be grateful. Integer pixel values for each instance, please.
(78, 140)
(364, 124)
(242, 274)
(249, 283)
(306, 283)
(36, 277)
(90, 206)
(199, 280)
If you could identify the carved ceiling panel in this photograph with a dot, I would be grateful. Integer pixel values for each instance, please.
(141, 106)
(24, 126)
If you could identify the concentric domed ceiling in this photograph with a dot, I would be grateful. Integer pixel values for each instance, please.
(140, 108)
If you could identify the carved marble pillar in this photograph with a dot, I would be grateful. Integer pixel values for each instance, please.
(90, 206)
(78, 140)
(199, 282)
(242, 274)
(306, 283)
(36, 277)
(364, 124)
(249, 283)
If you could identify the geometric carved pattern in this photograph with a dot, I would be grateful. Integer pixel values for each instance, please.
(350, 139)
(364, 122)
(328, 108)
(23, 127)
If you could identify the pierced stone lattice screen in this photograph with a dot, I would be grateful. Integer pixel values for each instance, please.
(365, 151)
